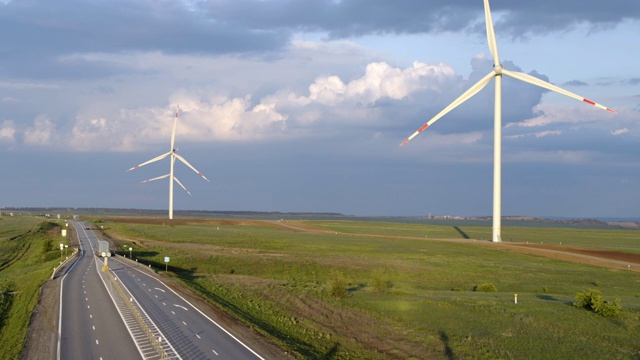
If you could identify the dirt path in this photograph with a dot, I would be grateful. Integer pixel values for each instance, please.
(593, 256)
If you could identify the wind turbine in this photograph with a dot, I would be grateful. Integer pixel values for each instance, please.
(174, 155)
(496, 74)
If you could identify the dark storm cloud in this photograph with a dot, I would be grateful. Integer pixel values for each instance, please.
(362, 17)
(35, 34)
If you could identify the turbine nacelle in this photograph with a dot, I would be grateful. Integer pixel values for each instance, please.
(498, 69)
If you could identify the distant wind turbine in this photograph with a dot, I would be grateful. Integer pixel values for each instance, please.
(174, 155)
(496, 74)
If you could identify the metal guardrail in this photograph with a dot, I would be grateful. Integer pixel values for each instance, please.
(62, 263)
(152, 338)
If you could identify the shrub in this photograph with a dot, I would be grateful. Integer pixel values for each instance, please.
(486, 287)
(592, 300)
(338, 285)
(381, 282)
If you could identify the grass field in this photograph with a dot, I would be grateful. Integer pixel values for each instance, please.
(28, 252)
(405, 295)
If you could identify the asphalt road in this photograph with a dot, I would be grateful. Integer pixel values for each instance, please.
(190, 332)
(94, 325)
(90, 326)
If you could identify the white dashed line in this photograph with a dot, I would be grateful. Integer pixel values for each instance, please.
(215, 352)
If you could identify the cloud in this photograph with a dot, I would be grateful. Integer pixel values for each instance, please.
(575, 83)
(9, 100)
(619, 131)
(41, 133)
(380, 80)
(23, 85)
(550, 114)
(7, 131)
(341, 19)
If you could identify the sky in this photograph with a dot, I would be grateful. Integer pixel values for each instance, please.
(300, 105)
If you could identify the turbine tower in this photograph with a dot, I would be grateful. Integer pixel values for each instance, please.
(496, 74)
(174, 155)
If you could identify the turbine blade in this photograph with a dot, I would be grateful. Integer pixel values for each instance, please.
(155, 178)
(173, 133)
(150, 161)
(190, 166)
(535, 81)
(464, 97)
(179, 183)
(491, 35)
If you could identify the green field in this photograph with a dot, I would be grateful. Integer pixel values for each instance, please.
(28, 252)
(406, 296)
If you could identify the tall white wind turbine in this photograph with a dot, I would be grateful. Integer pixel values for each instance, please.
(496, 74)
(174, 155)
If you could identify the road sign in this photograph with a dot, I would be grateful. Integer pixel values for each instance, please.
(166, 259)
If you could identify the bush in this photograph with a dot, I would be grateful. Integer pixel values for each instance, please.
(381, 282)
(592, 300)
(338, 285)
(486, 287)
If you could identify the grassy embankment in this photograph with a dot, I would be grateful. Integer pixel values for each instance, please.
(406, 297)
(28, 252)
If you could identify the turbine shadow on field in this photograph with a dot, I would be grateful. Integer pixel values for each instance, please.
(551, 298)
(464, 234)
(448, 353)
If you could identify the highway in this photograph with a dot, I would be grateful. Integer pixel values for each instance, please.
(95, 325)
(90, 326)
(191, 333)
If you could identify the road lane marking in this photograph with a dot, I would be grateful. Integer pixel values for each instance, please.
(97, 342)
(198, 336)
(215, 352)
(159, 289)
(180, 306)
(185, 324)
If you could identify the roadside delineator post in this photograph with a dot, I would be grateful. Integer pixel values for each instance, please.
(515, 298)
